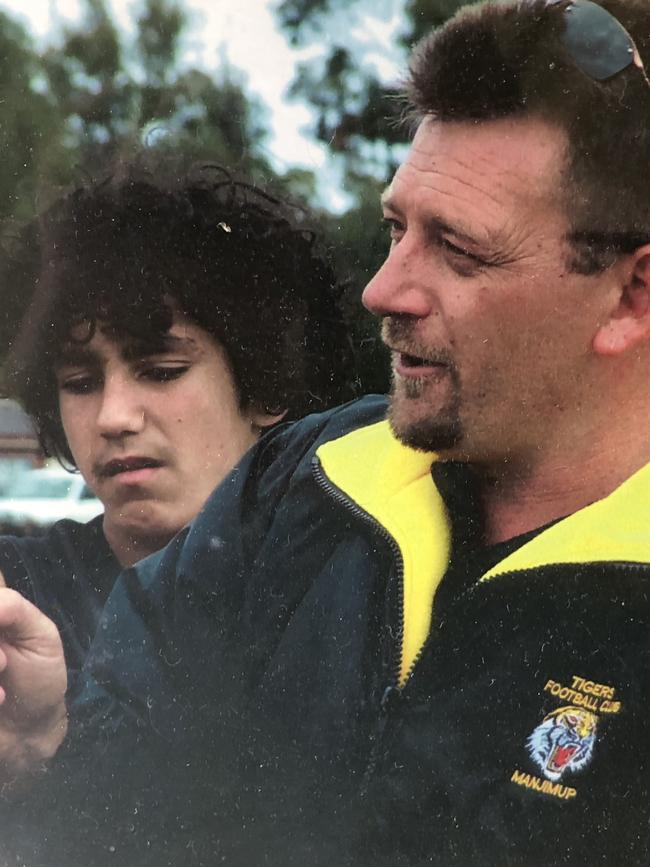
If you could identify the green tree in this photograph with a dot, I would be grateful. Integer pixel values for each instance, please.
(357, 116)
(29, 120)
(360, 244)
(114, 92)
(356, 112)
(95, 92)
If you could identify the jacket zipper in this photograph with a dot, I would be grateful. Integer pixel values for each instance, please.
(618, 566)
(394, 688)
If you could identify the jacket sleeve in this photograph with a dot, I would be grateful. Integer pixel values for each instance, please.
(192, 620)
(159, 749)
(177, 631)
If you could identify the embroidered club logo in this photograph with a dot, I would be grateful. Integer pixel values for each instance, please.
(563, 741)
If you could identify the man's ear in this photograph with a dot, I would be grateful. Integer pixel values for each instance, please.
(629, 321)
(262, 419)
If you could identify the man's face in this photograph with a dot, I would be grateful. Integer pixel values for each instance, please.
(490, 332)
(152, 428)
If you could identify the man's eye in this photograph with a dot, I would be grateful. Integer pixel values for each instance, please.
(456, 250)
(465, 262)
(164, 373)
(395, 228)
(79, 384)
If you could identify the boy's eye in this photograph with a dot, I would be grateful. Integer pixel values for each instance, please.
(163, 372)
(79, 384)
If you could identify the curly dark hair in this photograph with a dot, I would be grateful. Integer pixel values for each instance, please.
(509, 58)
(147, 239)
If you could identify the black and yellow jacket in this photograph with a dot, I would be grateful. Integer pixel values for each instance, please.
(287, 653)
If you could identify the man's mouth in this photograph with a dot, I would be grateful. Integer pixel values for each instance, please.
(119, 466)
(412, 366)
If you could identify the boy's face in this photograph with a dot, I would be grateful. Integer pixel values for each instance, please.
(152, 428)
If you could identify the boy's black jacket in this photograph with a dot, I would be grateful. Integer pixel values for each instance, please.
(248, 700)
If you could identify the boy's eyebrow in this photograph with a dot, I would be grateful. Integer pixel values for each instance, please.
(74, 355)
(132, 350)
(82, 355)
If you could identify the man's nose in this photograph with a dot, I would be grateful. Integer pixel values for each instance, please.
(399, 287)
(122, 411)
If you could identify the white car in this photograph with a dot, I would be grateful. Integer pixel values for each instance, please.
(42, 497)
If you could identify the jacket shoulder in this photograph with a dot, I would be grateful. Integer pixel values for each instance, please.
(287, 452)
(276, 470)
(334, 423)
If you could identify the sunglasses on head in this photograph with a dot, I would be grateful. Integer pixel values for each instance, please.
(597, 41)
(601, 48)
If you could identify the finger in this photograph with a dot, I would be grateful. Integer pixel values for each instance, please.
(21, 620)
(3, 660)
(12, 610)
(3, 583)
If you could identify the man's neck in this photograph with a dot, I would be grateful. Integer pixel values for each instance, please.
(517, 500)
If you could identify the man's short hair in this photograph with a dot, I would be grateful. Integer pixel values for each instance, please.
(508, 58)
(148, 239)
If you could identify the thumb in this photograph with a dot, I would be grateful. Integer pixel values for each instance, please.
(21, 621)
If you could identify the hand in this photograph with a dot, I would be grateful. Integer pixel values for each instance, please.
(33, 681)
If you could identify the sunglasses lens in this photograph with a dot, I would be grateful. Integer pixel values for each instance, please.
(596, 41)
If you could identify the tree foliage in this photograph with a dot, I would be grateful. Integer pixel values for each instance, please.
(353, 105)
(357, 115)
(29, 119)
(95, 92)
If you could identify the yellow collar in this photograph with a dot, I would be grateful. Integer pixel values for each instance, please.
(393, 484)
(614, 528)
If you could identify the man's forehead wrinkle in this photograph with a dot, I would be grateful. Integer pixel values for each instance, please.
(528, 154)
(469, 175)
(477, 230)
(483, 215)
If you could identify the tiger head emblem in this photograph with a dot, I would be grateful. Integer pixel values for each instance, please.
(563, 741)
